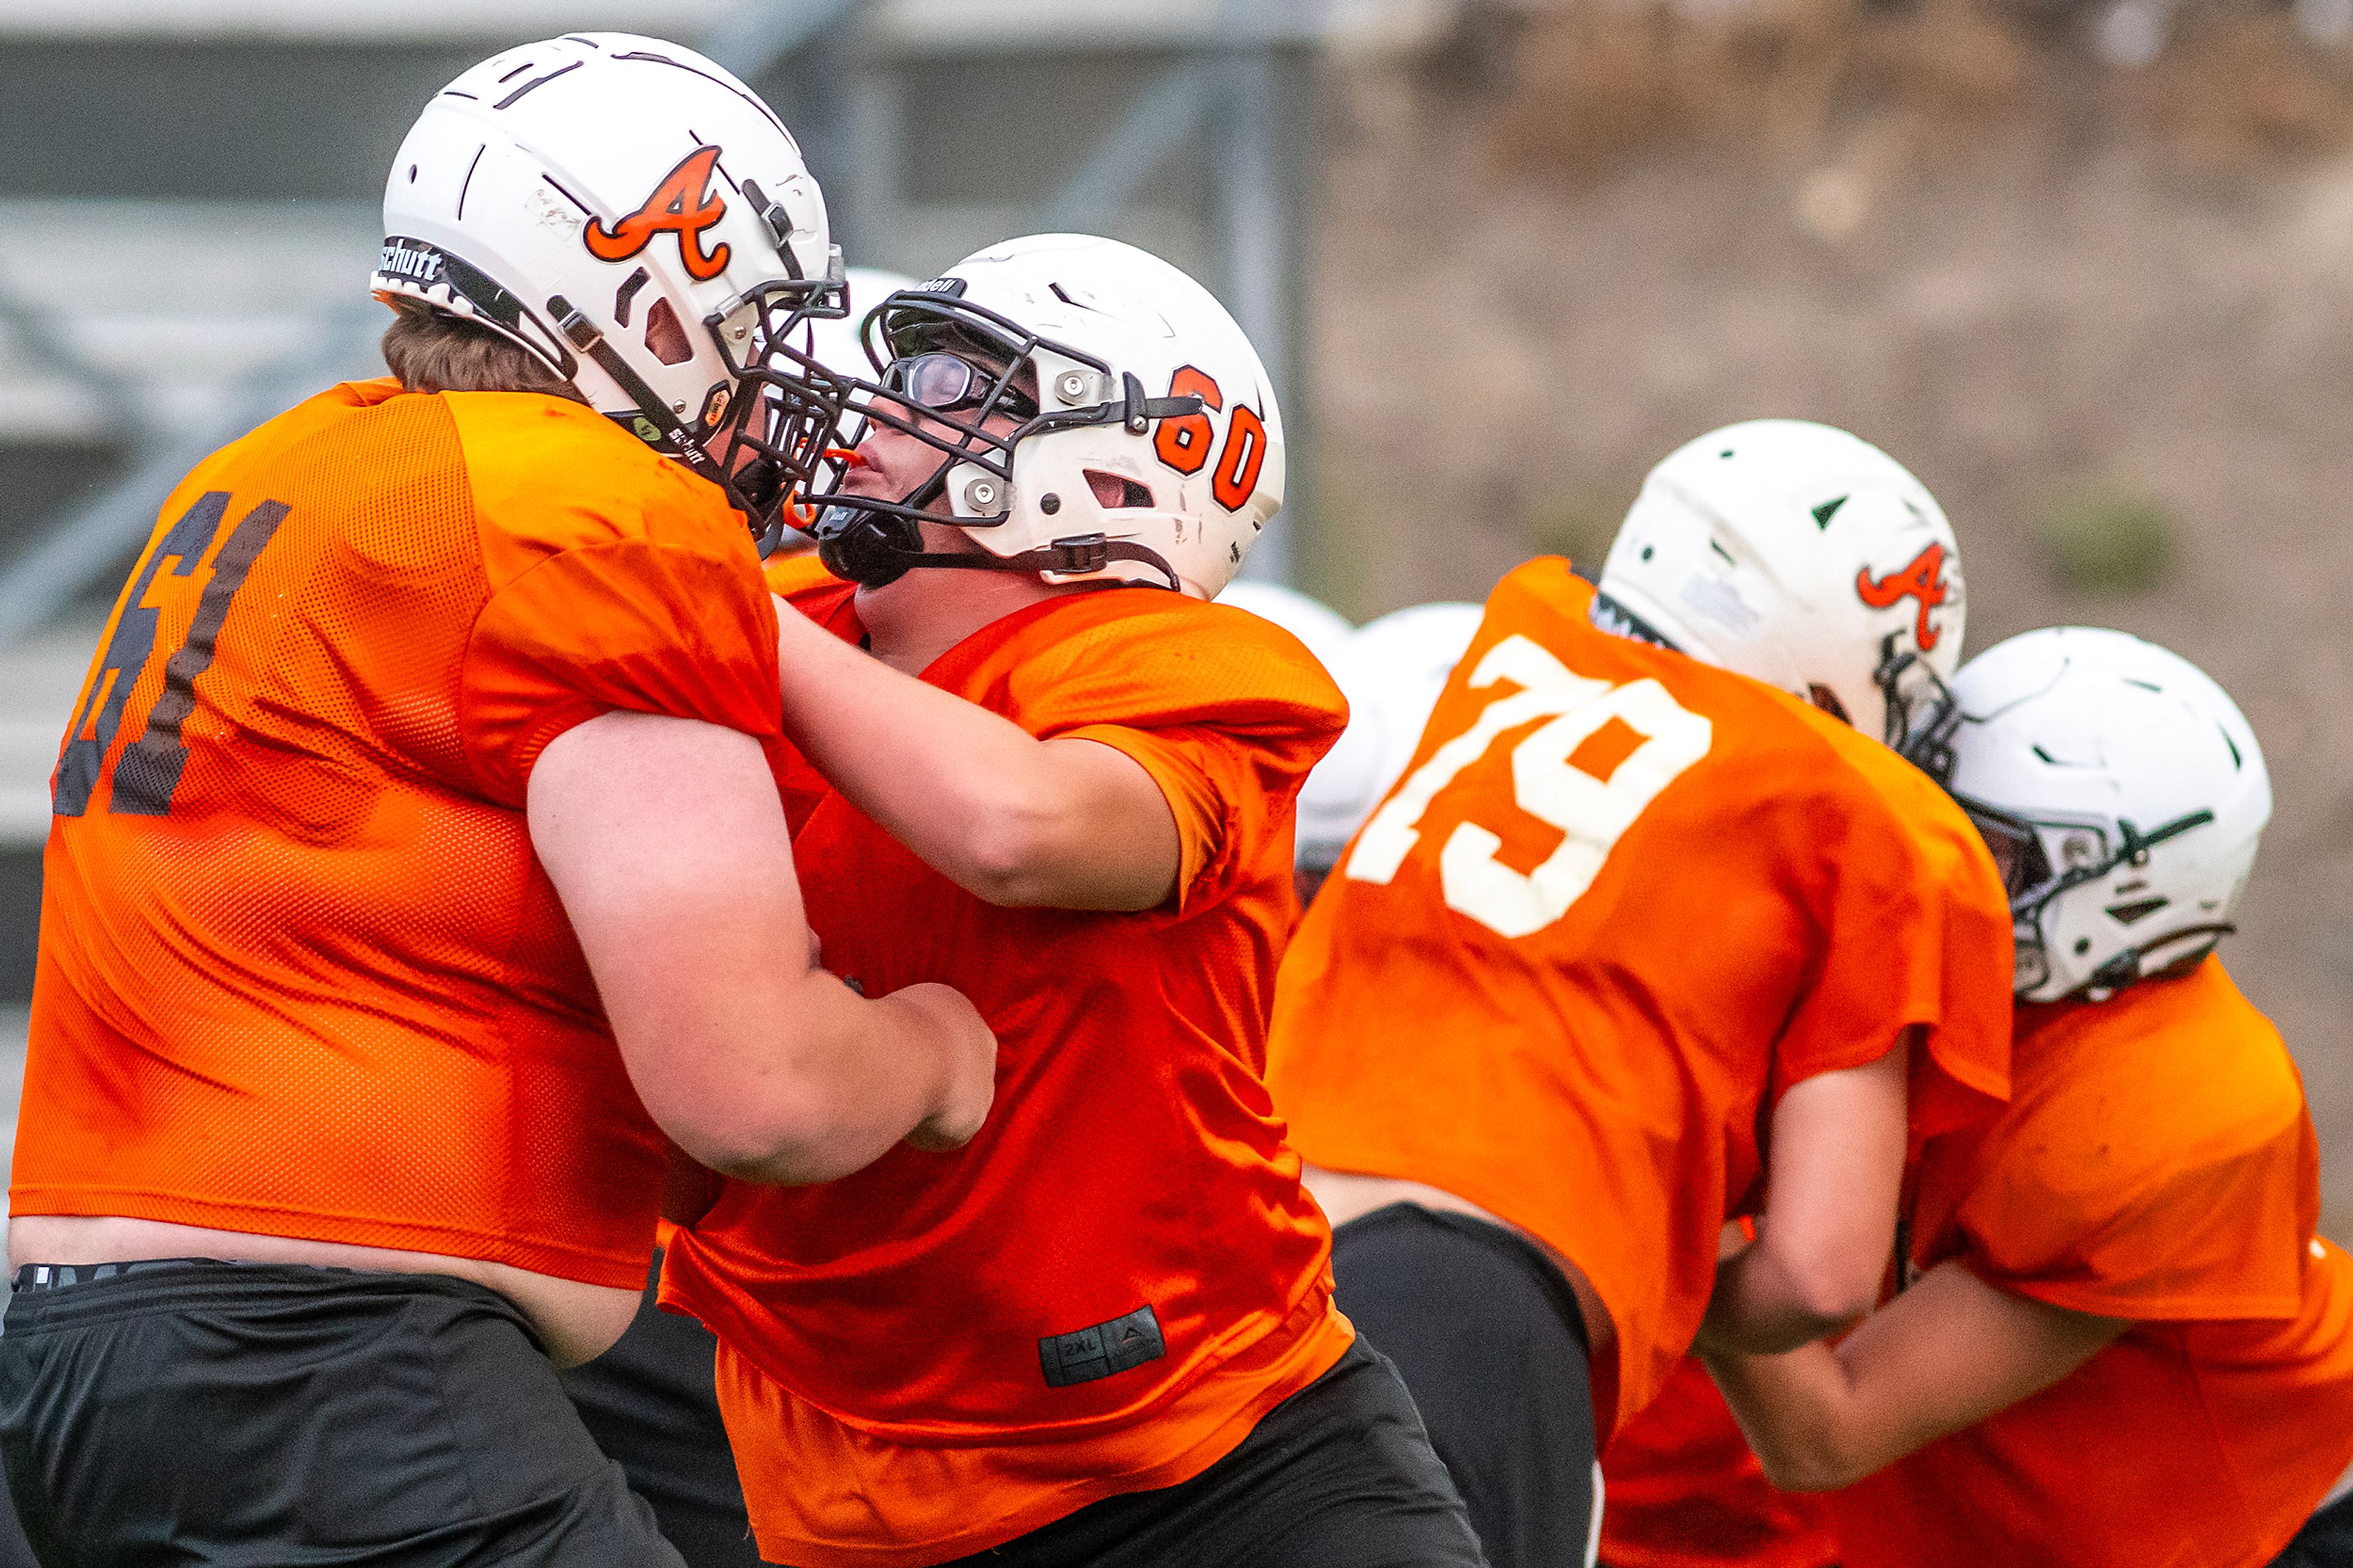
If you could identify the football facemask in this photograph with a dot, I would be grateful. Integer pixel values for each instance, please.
(964, 380)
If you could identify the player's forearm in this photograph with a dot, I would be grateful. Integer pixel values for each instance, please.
(1945, 1355)
(1796, 1410)
(1011, 819)
(836, 1084)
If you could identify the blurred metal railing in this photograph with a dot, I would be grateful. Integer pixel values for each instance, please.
(1222, 100)
(1219, 102)
(89, 541)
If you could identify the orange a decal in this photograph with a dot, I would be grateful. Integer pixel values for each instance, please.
(683, 204)
(1922, 578)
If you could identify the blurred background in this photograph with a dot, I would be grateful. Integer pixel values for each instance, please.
(2085, 265)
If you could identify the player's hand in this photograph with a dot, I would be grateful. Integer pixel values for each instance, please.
(971, 1079)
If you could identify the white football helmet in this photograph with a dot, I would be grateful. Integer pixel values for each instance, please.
(2122, 793)
(1147, 448)
(1392, 670)
(643, 224)
(1806, 558)
(1323, 629)
(1327, 814)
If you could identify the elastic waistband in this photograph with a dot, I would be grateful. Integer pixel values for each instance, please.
(53, 1294)
(66, 1275)
(1504, 1241)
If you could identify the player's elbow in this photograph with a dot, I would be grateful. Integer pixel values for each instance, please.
(1050, 850)
(1819, 1465)
(1829, 1303)
(1831, 1287)
(1010, 865)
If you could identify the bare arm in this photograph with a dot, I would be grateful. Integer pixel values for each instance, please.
(1945, 1355)
(665, 839)
(1835, 1166)
(1064, 824)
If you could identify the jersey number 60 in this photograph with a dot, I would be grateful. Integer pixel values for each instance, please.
(1592, 813)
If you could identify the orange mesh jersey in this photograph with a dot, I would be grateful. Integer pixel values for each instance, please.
(1620, 901)
(792, 573)
(1122, 1272)
(1683, 1491)
(300, 972)
(2156, 1164)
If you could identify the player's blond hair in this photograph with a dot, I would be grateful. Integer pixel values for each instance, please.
(432, 350)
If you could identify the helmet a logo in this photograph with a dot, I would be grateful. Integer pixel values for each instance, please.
(1921, 578)
(684, 204)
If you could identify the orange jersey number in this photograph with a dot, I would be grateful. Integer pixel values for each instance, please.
(1606, 754)
(148, 772)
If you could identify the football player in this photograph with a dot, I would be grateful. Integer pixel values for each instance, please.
(2118, 1339)
(1060, 778)
(414, 841)
(649, 1402)
(1659, 916)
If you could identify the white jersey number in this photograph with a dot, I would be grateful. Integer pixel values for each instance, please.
(1592, 813)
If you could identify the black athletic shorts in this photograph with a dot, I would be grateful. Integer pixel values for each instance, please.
(1339, 1475)
(188, 1412)
(1488, 1336)
(2324, 1541)
(650, 1404)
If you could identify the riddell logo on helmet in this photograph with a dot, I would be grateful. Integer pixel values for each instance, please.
(1922, 578)
(683, 204)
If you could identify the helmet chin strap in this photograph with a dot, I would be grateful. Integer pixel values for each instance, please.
(2127, 967)
(874, 548)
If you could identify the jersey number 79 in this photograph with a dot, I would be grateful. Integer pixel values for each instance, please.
(1592, 811)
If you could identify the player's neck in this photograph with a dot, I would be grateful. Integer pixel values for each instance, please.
(912, 621)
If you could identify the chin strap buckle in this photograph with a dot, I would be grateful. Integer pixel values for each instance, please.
(1079, 553)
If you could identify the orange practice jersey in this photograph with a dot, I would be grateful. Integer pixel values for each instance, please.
(300, 972)
(2156, 1164)
(1105, 1290)
(791, 573)
(1620, 901)
(1683, 1491)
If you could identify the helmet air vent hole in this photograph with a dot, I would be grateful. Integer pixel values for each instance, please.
(665, 339)
(2129, 914)
(2082, 945)
(412, 174)
(1827, 511)
(2144, 685)
(2046, 756)
(2237, 762)
(1117, 492)
(1725, 453)
(1646, 553)
(627, 295)
(1823, 698)
(1717, 545)
(1049, 503)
